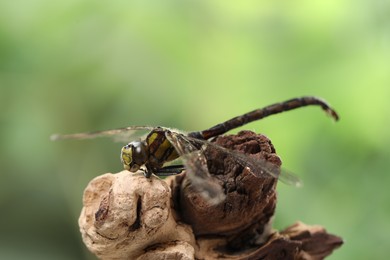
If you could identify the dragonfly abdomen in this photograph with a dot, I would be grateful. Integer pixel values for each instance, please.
(264, 112)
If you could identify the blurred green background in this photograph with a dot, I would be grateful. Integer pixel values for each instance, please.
(73, 66)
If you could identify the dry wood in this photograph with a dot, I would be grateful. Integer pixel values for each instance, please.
(127, 216)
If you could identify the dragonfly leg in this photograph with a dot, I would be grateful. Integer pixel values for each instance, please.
(170, 170)
(148, 171)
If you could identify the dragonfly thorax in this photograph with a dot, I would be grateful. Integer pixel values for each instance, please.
(134, 155)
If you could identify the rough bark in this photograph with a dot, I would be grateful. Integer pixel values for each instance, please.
(127, 216)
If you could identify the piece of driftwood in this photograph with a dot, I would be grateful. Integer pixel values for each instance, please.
(127, 216)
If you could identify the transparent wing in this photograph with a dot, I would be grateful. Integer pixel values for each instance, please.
(119, 135)
(196, 168)
(258, 167)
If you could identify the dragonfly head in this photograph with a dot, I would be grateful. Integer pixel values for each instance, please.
(134, 155)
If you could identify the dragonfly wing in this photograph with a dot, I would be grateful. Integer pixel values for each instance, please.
(196, 168)
(257, 166)
(261, 167)
(120, 134)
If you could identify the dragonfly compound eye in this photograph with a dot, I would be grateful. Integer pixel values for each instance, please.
(133, 156)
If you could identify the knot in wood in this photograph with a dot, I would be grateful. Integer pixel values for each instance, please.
(250, 200)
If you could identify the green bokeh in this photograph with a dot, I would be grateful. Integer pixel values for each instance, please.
(76, 66)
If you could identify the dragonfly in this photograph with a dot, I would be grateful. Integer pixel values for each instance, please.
(162, 145)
